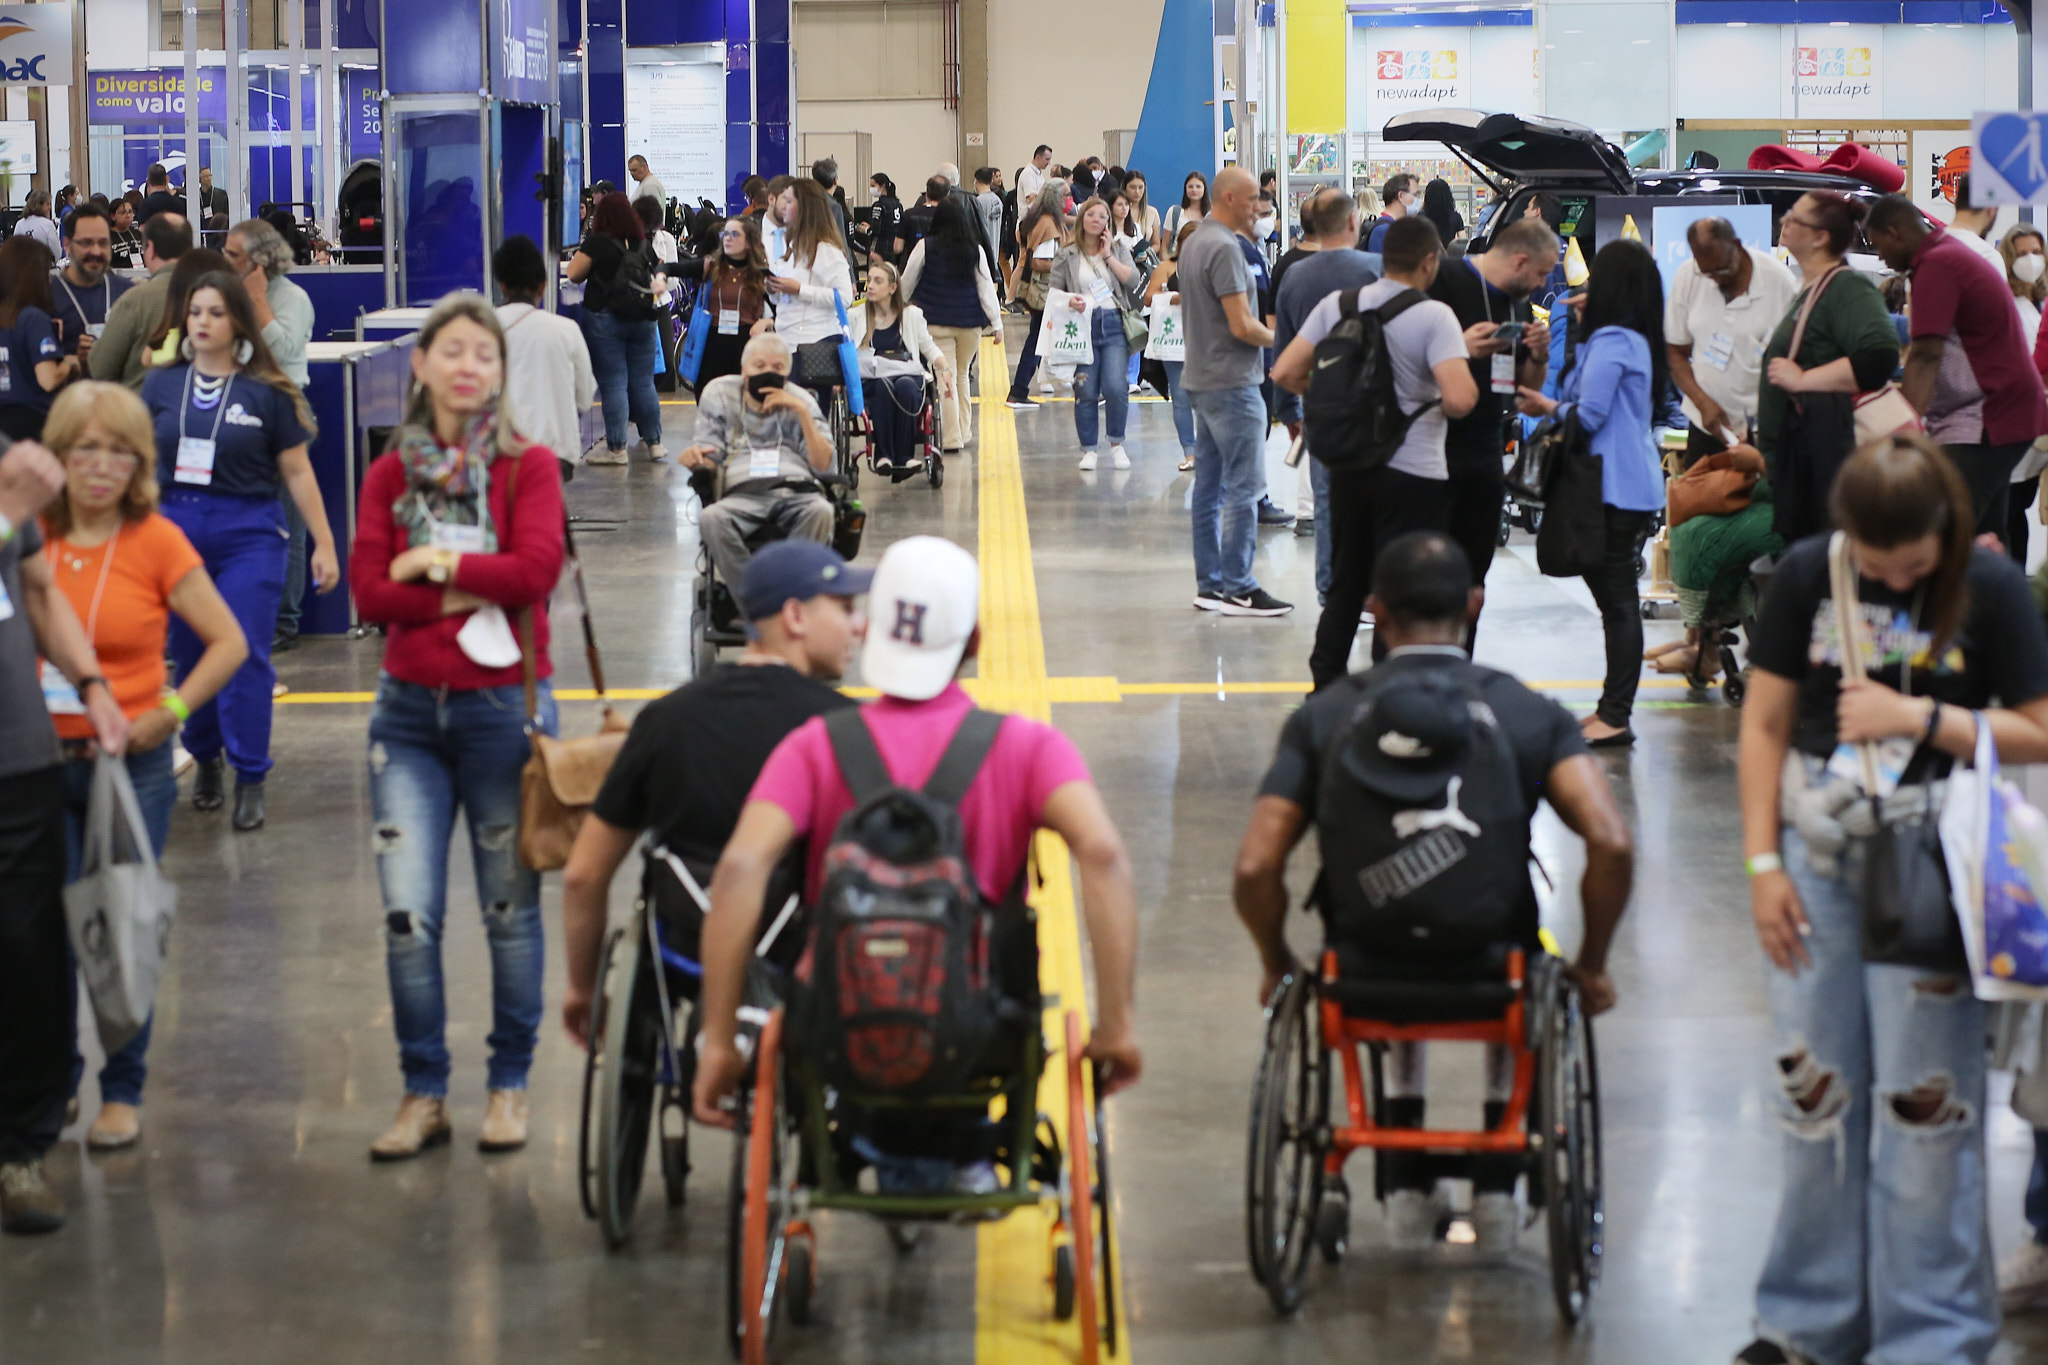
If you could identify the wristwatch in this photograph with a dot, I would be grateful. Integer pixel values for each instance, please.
(443, 567)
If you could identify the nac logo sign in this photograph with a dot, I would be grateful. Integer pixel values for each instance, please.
(15, 66)
(1423, 64)
(1832, 63)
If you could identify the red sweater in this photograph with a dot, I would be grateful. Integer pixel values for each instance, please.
(419, 643)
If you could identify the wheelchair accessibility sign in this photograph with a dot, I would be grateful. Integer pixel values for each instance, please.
(2009, 157)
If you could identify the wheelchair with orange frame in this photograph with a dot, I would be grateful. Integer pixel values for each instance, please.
(801, 1148)
(1320, 1021)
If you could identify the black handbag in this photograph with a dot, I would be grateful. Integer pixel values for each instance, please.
(1908, 917)
(816, 364)
(1528, 478)
(1572, 539)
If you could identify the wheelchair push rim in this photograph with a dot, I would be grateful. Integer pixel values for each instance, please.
(764, 1176)
(1571, 1156)
(1287, 1141)
(1089, 1254)
(627, 1081)
(587, 1140)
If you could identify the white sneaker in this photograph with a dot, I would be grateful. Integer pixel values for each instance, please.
(1497, 1223)
(1118, 458)
(1411, 1220)
(1087, 462)
(605, 456)
(2023, 1278)
(181, 761)
(658, 453)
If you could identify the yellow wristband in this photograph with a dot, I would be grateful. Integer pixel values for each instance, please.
(175, 704)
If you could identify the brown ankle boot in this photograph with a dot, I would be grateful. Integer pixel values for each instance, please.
(27, 1205)
(504, 1127)
(118, 1125)
(422, 1122)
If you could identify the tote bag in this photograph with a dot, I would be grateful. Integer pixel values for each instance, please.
(1996, 848)
(1168, 340)
(694, 341)
(120, 909)
(1066, 337)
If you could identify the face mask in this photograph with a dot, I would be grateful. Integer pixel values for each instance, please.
(759, 385)
(1266, 225)
(2027, 269)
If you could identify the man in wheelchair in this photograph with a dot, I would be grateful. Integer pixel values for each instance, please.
(1421, 777)
(763, 443)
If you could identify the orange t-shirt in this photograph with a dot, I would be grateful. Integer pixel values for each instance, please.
(149, 558)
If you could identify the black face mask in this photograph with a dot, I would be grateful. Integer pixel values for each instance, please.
(759, 384)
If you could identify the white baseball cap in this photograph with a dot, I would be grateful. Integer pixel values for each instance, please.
(922, 609)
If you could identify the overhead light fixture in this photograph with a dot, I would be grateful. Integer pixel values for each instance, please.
(1640, 42)
(1838, 23)
(1738, 24)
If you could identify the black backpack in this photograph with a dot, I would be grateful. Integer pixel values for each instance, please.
(1351, 417)
(629, 293)
(899, 993)
(1449, 881)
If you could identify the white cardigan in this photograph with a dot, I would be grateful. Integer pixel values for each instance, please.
(984, 286)
(808, 314)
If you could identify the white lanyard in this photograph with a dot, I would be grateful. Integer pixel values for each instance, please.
(106, 299)
(220, 409)
(92, 615)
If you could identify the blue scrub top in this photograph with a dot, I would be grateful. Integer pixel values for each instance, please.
(32, 338)
(251, 424)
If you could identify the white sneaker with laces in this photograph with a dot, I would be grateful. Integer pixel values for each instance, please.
(1411, 1220)
(658, 453)
(607, 456)
(1087, 462)
(1118, 458)
(1496, 1223)
(2023, 1278)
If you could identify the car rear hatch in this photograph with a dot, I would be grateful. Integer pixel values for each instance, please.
(1510, 147)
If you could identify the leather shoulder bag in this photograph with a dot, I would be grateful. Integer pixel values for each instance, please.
(562, 777)
(1882, 411)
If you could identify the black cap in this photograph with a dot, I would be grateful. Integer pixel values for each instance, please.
(1412, 739)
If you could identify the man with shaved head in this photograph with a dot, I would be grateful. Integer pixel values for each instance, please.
(1226, 343)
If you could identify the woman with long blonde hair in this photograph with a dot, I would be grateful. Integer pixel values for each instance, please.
(459, 539)
(1042, 229)
(896, 330)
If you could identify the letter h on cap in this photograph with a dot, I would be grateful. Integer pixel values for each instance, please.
(909, 622)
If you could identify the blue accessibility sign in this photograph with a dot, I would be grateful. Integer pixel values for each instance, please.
(2008, 158)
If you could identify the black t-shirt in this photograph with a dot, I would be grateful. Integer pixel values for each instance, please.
(160, 201)
(605, 254)
(79, 307)
(1474, 444)
(686, 768)
(30, 341)
(1542, 733)
(2000, 655)
(915, 225)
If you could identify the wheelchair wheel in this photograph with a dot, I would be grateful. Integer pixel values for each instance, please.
(1284, 1176)
(845, 461)
(626, 1081)
(587, 1142)
(934, 471)
(1081, 1170)
(703, 653)
(1569, 1092)
(675, 1149)
(764, 1172)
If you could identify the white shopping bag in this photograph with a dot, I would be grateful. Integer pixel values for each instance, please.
(1168, 341)
(120, 909)
(1066, 337)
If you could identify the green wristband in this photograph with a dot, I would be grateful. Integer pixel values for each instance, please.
(175, 704)
(1762, 863)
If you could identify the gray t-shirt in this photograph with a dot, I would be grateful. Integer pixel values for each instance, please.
(1213, 267)
(1420, 339)
(745, 436)
(28, 741)
(1309, 281)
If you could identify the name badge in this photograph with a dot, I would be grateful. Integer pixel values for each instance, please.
(95, 330)
(195, 460)
(468, 540)
(60, 698)
(764, 462)
(1504, 372)
(6, 373)
(1103, 298)
(1718, 350)
(728, 322)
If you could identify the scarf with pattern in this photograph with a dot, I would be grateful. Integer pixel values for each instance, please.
(447, 485)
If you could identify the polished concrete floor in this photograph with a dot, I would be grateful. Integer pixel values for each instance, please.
(250, 1227)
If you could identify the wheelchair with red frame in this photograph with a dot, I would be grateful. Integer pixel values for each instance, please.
(924, 455)
(1296, 1200)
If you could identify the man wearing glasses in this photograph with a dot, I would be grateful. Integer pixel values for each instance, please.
(1725, 302)
(548, 378)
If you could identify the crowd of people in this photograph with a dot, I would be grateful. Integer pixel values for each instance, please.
(159, 519)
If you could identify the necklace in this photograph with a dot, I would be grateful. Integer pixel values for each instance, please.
(206, 393)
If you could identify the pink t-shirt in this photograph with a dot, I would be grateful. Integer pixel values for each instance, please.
(1030, 761)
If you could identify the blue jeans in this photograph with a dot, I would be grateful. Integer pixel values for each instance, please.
(243, 543)
(1183, 407)
(2037, 1188)
(432, 752)
(1319, 483)
(622, 353)
(156, 791)
(1230, 445)
(1881, 1247)
(294, 569)
(1103, 379)
(1027, 360)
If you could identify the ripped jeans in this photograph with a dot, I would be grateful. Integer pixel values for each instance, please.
(432, 752)
(1881, 1250)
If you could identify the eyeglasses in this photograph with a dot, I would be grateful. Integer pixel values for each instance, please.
(731, 234)
(1803, 222)
(93, 457)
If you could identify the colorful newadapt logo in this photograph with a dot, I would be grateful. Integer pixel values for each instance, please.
(1832, 63)
(1420, 64)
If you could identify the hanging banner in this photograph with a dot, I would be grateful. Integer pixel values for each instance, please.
(35, 44)
(1417, 68)
(153, 97)
(1836, 71)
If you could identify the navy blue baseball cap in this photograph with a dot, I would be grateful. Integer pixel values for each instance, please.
(800, 569)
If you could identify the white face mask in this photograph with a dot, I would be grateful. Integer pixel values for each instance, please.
(2027, 269)
(1266, 225)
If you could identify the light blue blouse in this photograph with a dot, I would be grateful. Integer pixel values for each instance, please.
(1610, 389)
